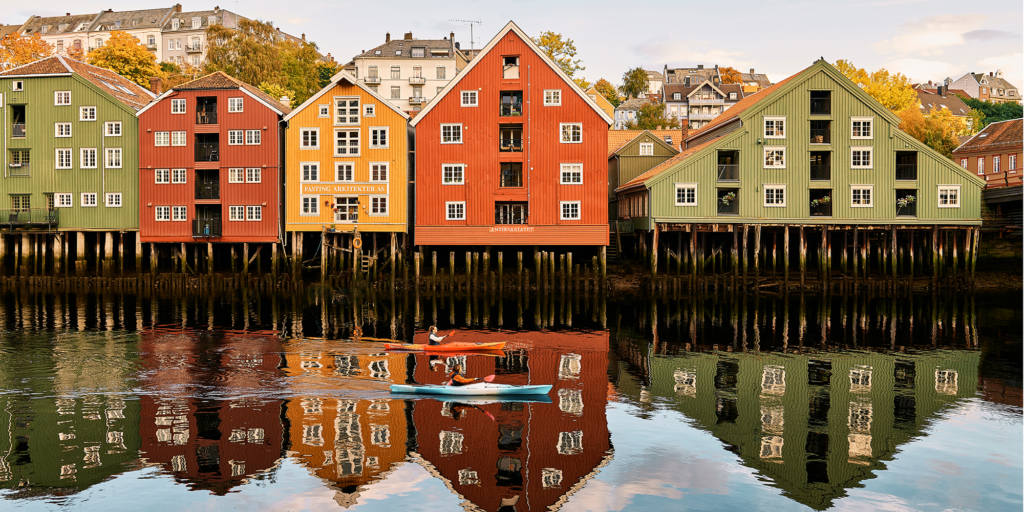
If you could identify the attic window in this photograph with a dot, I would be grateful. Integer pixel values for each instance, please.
(982, 136)
(398, 52)
(44, 29)
(196, 22)
(417, 52)
(175, 24)
(376, 52)
(668, 139)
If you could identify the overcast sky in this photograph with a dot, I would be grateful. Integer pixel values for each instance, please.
(923, 39)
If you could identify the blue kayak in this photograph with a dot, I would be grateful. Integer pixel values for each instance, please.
(476, 389)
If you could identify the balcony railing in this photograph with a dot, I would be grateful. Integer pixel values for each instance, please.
(822, 210)
(417, 80)
(508, 109)
(909, 210)
(511, 217)
(206, 115)
(18, 131)
(733, 208)
(195, 48)
(728, 172)
(371, 79)
(207, 152)
(208, 189)
(821, 172)
(821, 106)
(821, 136)
(906, 172)
(151, 47)
(510, 72)
(206, 228)
(706, 101)
(19, 170)
(417, 100)
(29, 217)
(512, 145)
(702, 115)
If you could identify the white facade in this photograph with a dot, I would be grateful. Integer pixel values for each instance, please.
(410, 72)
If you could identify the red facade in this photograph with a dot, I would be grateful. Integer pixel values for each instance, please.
(512, 155)
(198, 144)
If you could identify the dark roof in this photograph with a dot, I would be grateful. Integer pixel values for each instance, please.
(126, 91)
(221, 80)
(1003, 134)
(633, 104)
(131, 20)
(225, 18)
(684, 90)
(761, 79)
(678, 73)
(929, 100)
(739, 107)
(994, 81)
(35, 24)
(389, 50)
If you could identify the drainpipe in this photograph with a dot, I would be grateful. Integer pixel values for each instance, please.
(529, 143)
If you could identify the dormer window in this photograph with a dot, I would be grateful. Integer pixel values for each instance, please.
(81, 27)
(376, 52)
(398, 53)
(212, 20)
(418, 52)
(62, 27)
(45, 29)
(196, 22)
(677, 96)
(175, 24)
(732, 95)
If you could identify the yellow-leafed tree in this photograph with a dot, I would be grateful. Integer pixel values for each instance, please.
(730, 75)
(938, 130)
(562, 50)
(125, 55)
(18, 50)
(893, 90)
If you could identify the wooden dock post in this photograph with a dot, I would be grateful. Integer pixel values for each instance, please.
(536, 261)
(501, 268)
(823, 257)
(433, 268)
(58, 252)
(893, 267)
(568, 268)
(451, 267)
(483, 272)
(785, 255)
(757, 254)
(654, 250)
(245, 259)
(275, 260)
(974, 252)
(154, 259)
(81, 265)
(935, 256)
(803, 257)
(604, 266)
(955, 256)
(744, 256)
(519, 267)
(209, 257)
(416, 268)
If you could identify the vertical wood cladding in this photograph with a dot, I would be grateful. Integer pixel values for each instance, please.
(541, 158)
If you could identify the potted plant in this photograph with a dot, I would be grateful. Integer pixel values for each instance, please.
(728, 198)
(821, 201)
(904, 202)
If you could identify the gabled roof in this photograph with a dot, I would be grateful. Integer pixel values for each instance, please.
(219, 81)
(711, 85)
(35, 24)
(346, 76)
(402, 48)
(124, 90)
(734, 112)
(654, 171)
(996, 81)
(761, 79)
(511, 26)
(929, 99)
(131, 20)
(618, 139)
(632, 104)
(1002, 134)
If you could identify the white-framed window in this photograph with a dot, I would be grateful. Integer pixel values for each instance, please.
(862, 196)
(686, 194)
(995, 163)
(346, 142)
(572, 174)
(88, 158)
(61, 98)
(112, 128)
(453, 174)
(677, 96)
(862, 127)
(161, 138)
(572, 133)
(646, 148)
(378, 205)
(179, 213)
(379, 137)
(344, 171)
(396, 92)
(860, 157)
(179, 176)
(774, 157)
(62, 129)
(86, 113)
(163, 213)
(378, 171)
(162, 176)
(310, 205)
(253, 137)
(254, 213)
(369, 110)
(325, 110)
(310, 171)
(346, 111)
(177, 106)
(254, 175)
(113, 200)
(113, 160)
(178, 138)
(732, 95)
(236, 175)
(64, 159)
(963, 163)
(775, 127)
(552, 97)
(63, 201)
(949, 196)
(441, 73)
(309, 138)
(88, 199)
(570, 210)
(451, 134)
(981, 165)
(235, 137)
(469, 99)
(456, 210)
(775, 195)
(236, 105)
(236, 213)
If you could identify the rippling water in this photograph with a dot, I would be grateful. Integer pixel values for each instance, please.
(238, 402)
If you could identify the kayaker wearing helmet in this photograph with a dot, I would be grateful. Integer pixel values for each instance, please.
(435, 339)
(457, 379)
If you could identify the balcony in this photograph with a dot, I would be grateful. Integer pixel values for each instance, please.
(706, 101)
(19, 170)
(728, 172)
(417, 100)
(195, 48)
(511, 213)
(207, 152)
(511, 106)
(821, 172)
(417, 80)
(151, 47)
(371, 79)
(29, 217)
(207, 189)
(206, 115)
(702, 115)
(511, 174)
(908, 198)
(18, 131)
(206, 228)
(821, 103)
(511, 145)
(906, 165)
(822, 210)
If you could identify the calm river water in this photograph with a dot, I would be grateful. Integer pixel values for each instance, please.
(238, 402)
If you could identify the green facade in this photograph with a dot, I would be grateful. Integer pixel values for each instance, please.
(627, 163)
(747, 138)
(37, 101)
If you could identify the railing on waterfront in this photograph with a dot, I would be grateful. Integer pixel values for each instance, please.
(28, 217)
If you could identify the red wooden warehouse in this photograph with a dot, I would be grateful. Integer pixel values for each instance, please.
(511, 152)
(210, 164)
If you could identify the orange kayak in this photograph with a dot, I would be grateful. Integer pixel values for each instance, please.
(455, 346)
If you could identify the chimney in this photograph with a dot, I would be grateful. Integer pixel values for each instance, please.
(286, 101)
(408, 36)
(457, 46)
(989, 73)
(942, 91)
(387, 37)
(751, 71)
(68, 14)
(700, 66)
(452, 38)
(156, 85)
(303, 37)
(177, 8)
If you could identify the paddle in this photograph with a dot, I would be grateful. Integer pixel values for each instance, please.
(489, 378)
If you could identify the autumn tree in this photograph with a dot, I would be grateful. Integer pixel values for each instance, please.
(891, 90)
(301, 69)
(278, 92)
(18, 50)
(937, 130)
(651, 116)
(606, 89)
(126, 56)
(730, 75)
(635, 83)
(561, 51)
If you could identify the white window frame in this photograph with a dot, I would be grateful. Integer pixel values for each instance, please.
(112, 124)
(448, 210)
(236, 175)
(552, 97)
(963, 163)
(109, 203)
(91, 196)
(568, 169)
(774, 186)
(179, 213)
(1011, 163)
(774, 148)
(162, 176)
(249, 213)
(387, 137)
(63, 200)
(359, 139)
(86, 109)
(981, 165)
(946, 188)
(84, 163)
(474, 95)
(871, 191)
(863, 119)
(775, 120)
(646, 149)
(57, 130)
(315, 210)
(236, 105)
(679, 186)
(871, 157)
(179, 138)
(387, 172)
(351, 169)
(324, 111)
(995, 163)
(57, 158)
(461, 169)
(236, 213)
(61, 95)
(179, 106)
(165, 211)
(369, 110)
(315, 166)
(386, 211)
(561, 210)
(561, 133)
(254, 175)
(346, 99)
(253, 137)
(110, 152)
(161, 139)
(451, 125)
(302, 138)
(179, 176)
(236, 137)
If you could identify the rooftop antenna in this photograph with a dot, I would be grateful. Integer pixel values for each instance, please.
(471, 23)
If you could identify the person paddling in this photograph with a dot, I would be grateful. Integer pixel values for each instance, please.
(457, 379)
(435, 339)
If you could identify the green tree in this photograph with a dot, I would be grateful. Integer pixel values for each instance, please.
(325, 71)
(277, 91)
(125, 55)
(606, 89)
(635, 83)
(562, 51)
(650, 117)
(891, 90)
(301, 69)
(993, 112)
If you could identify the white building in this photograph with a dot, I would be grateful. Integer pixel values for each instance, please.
(144, 25)
(183, 35)
(63, 32)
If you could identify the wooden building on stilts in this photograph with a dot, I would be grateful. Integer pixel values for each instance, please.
(807, 182)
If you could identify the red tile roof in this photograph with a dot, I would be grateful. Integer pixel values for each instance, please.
(221, 80)
(126, 91)
(47, 66)
(1003, 134)
(739, 107)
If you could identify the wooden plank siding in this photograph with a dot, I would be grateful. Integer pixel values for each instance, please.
(541, 158)
(327, 188)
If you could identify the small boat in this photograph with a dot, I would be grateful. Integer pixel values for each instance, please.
(476, 389)
(455, 346)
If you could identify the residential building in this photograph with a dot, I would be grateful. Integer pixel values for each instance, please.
(601, 101)
(210, 164)
(697, 105)
(63, 32)
(410, 72)
(753, 82)
(634, 152)
(6, 30)
(627, 112)
(145, 25)
(347, 165)
(994, 150)
(654, 81)
(182, 38)
(940, 98)
(512, 152)
(70, 154)
(691, 76)
(991, 87)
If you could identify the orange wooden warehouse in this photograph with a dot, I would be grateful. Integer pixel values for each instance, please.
(512, 152)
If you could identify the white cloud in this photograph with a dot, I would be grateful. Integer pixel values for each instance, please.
(931, 35)
(920, 70)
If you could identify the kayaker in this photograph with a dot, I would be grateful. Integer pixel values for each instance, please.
(457, 379)
(435, 339)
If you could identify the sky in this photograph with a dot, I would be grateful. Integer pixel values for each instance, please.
(924, 40)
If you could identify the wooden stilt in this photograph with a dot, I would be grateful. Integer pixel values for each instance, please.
(785, 255)
(803, 258)
(757, 254)
(744, 256)
(654, 249)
